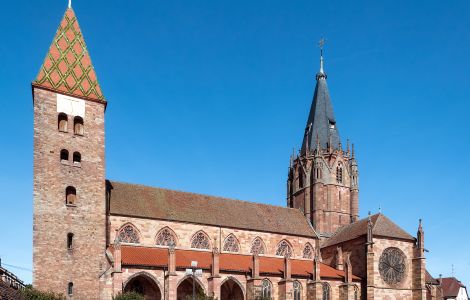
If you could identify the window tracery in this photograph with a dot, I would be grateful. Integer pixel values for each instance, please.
(266, 289)
(326, 291)
(308, 251)
(297, 290)
(200, 241)
(284, 249)
(257, 246)
(231, 244)
(166, 237)
(128, 234)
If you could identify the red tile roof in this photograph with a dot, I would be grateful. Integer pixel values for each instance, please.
(8, 293)
(67, 67)
(451, 287)
(229, 262)
(157, 203)
(382, 226)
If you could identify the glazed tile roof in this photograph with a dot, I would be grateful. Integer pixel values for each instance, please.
(67, 67)
(382, 226)
(157, 203)
(229, 262)
(451, 287)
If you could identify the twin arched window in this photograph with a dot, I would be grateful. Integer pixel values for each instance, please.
(166, 237)
(257, 246)
(70, 195)
(231, 244)
(62, 124)
(128, 234)
(284, 249)
(64, 157)
(200, 240)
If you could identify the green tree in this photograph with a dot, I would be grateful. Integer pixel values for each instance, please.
(30, 293)
(129, 296)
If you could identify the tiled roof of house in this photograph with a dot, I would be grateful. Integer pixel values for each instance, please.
(157, 203)
(429, 279)
(8, 293)
(67, 67)
(382, 226)
(158, 257)
(451, 287)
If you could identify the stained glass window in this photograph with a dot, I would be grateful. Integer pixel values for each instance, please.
(166, 237)
(257, 246)
(128, 234)
(231, 244)
(308, 251)
(284, 249)
(200, 241)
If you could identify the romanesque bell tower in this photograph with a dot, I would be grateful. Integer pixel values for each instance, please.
(69, 168)
(323, 177)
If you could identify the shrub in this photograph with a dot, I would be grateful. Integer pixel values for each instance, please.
(30, 293)
(129, 296)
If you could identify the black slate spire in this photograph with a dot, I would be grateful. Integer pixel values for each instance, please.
(321, 123)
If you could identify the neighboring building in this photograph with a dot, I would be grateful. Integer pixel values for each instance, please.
(453, 289)
(95, 238)
(10, 285)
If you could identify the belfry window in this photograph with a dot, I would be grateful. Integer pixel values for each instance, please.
(69, 241)
(77, 158)
(78, 126)
(64, 155)
(70, 195)
(339, 174)
(62, 122)
(70, 289)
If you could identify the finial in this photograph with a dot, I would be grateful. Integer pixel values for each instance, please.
(380, 209)
(347, 146)
(369, 214)
(70, 4)
(352, 154)
(321, 73)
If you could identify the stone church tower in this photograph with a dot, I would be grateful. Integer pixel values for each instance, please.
(323, 177)
(69, 168)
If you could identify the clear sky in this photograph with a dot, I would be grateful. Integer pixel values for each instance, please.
(211, 97)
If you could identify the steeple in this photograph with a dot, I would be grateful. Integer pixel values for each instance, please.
(67, 68)
(321, 120)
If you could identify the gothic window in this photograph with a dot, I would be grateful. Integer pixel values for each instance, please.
(308, 251)
(200, 241)
(64, 155)
(62, 122)
(128, 234)
(69, 241)
(284, 249)
(301, 178)
(70, 289)
(70, 195)
(77, 158)
(166, 237)
(257, 246)
(339, 174)
(266, 290)
(356, 293)
(78, 125)
(326, 291)
(297, 290)
(231, 244)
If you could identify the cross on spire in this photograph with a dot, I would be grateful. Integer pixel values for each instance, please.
(321, 44)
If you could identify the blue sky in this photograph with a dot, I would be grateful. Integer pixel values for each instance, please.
(211, 97)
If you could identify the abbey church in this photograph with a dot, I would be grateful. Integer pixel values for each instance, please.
(94, 238)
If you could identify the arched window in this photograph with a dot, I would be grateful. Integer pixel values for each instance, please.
(70, 289)
(200, 241)
(266, 289)
(231, 244)
(257, 246)
(297, 290)
(356, 293)
(62, 122)
(326, 291)
(70, 195)
(77, 158)
(128, 234)
(64, 155)
(69, 241)
(339, 174)
(284, 249)
(166, 237)
(301, 178)
(308, 251)
(78, 125)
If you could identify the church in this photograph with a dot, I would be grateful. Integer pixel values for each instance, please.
(94, 238)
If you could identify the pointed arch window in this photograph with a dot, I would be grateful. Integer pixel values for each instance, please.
(62, 122)
(297, 290)
(326, 291)
(339, 174)
(284, 249)
(129, 234)
(70, 195)
(257, 246)
(301, 178)
(267, 288)
(308, 251)
(78, 125)
(231, 244)
(200, 240)
(166, 237)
